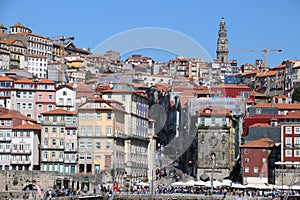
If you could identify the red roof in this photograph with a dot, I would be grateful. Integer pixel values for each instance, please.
(45, 81)
(6, 116)
(28, 126)
(24, 80)
(58, 112)
(5, 78)
(262, 143)
(213, 111)
(281, 106)
(292, 115)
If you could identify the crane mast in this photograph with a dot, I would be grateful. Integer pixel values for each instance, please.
(265, 51)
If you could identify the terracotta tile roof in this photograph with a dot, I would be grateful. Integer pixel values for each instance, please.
(35, 56)
(58, 111)
(5, 78)
(261, 124)
(214, 111)
(262, 143)
(279, 67)
(9, 41)
(28, 126)
(250, 73)
(162, 87)
(257, 94)
(6, 116)
(9, 114)
(24, 80)
(231, 86)
(292, 115)
(18, 25)
(269, 73)
(45, 81)
(281, 106)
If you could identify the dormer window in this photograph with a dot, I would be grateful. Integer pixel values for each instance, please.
(208, 111)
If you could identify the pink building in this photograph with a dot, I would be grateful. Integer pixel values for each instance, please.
(45, 97)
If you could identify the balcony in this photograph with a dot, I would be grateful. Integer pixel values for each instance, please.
(4, 150)
(5, 139)
(70, 150)
(18, 151)
(20, 162)
(70, 161)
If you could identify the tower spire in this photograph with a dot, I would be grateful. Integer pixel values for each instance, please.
(222, 44)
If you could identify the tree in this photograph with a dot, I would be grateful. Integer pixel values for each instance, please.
(296, 94)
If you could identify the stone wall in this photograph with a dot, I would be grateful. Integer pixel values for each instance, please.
(17, 180)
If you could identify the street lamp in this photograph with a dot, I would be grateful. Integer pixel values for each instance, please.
(212, 157)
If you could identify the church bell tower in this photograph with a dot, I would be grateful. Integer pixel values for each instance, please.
(222, 45)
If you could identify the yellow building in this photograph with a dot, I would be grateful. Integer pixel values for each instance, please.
(101, 140)
(59, 141)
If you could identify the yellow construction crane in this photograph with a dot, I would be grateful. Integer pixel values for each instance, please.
(265, 50)
(61, 41)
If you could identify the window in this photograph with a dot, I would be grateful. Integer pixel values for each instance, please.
(288, 153)
(246, 151)
(61, 142)
(213, 120)
(81, 156)
(108, 131)
(46, 155)
(46, 129)
(62, 130)
(123, 98)
(45, 142)
(53, 153)
(89, 145)
(297, 130)
(50, 96)
(246, 160)
(109, 96)
(23, 105)
(109, 116)
(82, 130)
(82, 116)
(246, 169)
(258, 111)
(264, 150)
(288, 130)
(65, 93)
(53, 130)
(90, 116)
(264, 160)
(29, 105)
(98, 116)
(98, 145)
(255, 169)
(297, 141)
(288, 142)
(88, 156)
(40, 96)
(61, 155)
(81, 144)
(98, 130)
(90, 130)
(202, 121)
(297, 153)
(54, 142)
(108, 145)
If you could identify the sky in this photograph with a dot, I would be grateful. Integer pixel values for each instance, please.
(251, 25)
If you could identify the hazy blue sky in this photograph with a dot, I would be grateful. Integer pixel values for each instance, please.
(254, 24)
